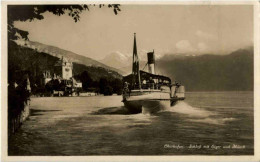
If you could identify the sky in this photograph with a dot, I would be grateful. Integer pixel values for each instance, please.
(168, 29)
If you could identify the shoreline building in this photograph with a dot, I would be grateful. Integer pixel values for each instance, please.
(63, 68)
(46, 77)
(63, 73)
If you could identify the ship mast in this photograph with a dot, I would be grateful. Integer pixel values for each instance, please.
(135, 69)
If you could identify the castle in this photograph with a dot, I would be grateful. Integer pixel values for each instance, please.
(63, 69)
(63, 73)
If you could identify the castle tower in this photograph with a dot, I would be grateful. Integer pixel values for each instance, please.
(66, 69)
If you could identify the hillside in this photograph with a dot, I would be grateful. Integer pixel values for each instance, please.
(58, 52)
(23, 60)
(233, 72)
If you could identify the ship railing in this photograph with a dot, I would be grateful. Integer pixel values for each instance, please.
(152, 86)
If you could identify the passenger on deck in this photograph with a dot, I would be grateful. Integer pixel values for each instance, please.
(151, 81)
(144, 86)
(126, 89)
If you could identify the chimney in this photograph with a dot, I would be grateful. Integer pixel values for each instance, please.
(151, 61)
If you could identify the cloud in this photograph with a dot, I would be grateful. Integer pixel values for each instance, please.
(205, 35)
(202, 47)
(184, 46)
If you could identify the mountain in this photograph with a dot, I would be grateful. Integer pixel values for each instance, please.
(58, 52)
(117, 60)
(232, 72)
(208, 72)
(123, 62)
(23, 60)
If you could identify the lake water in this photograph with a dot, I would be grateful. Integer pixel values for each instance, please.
(216, 123)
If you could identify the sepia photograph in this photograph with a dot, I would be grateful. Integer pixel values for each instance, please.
(129, 79)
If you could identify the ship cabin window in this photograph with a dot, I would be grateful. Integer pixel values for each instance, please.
(147, 81)
(153, 83)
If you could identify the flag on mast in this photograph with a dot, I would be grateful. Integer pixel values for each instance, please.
(135, 70)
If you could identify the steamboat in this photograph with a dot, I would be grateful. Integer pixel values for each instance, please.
(148, 92)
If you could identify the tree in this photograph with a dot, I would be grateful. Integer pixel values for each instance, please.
(117, 86)
(85, 79)
(108, 91)
(103, 83)
(31, 12)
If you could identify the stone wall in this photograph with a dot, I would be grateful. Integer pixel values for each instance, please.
(18, 105)
(16, 121)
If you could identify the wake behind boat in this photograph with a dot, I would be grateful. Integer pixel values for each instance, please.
(147, 91)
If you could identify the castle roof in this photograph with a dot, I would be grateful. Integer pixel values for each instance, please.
(61, 61)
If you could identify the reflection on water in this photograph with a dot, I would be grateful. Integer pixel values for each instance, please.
(112, 110)
(103, 126)
(35, 112)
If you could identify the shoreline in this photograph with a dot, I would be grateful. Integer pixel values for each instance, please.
(189, 92)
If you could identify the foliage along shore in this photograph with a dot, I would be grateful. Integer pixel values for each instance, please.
(22, 60)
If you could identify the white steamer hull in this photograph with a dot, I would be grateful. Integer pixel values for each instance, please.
(147, 106)
(147, 102)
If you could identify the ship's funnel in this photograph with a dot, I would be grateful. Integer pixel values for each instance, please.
(151, 60)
